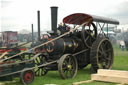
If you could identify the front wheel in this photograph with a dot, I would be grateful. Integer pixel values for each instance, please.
(27, 77)
(67, 66)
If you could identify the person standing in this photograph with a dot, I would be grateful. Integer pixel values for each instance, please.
(122, 45)
(126, 44)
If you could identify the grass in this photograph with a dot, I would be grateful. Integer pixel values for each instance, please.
(120, 63)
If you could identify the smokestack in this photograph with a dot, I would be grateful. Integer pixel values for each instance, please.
(38, 23)
(54, 18)
(32, 34)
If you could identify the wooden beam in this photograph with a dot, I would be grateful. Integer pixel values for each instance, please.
(7, 82)
(3, 55)
(2, 83)
(120, 84)
(113, 72)
(109, 78)
(82, 82)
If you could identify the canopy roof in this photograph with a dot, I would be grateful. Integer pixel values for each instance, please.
(80, 18)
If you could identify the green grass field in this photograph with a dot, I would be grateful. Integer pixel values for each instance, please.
(120, 63)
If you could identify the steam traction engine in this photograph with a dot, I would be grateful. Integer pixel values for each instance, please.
(77, 48)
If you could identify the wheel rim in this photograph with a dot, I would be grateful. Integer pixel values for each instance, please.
(67, 66)
(28, 77)
(105, 55)
(40, 71)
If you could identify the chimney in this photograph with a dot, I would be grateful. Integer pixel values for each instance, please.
(32, 34)
(54, 18)
(38, 23)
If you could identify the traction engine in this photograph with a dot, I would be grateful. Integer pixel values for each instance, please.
(76, 49)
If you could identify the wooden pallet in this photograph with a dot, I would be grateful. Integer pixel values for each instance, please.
(115, 76)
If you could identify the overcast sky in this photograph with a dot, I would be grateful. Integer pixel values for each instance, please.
(20, 14)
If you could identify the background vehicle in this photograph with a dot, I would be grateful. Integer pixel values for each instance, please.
(9, 38)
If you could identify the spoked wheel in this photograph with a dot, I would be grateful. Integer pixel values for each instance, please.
(27, 77)
(101, 54)
(67, 66)
(40, 71)
(89, 35)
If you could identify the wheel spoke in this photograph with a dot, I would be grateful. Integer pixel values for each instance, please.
(42, 72)
(105, 43)
(100, 51)
(70, 61)
(108, 50)
(37, 71)
(107, 58)
(66, 73)
(37, 61)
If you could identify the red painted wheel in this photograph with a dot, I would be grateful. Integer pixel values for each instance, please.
(27, 77)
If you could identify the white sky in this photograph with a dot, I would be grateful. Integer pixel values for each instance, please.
(20, 14)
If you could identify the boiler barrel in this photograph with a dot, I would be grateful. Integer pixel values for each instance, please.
(64, 45)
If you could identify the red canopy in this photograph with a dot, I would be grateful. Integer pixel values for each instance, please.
(77, 18)
(80, 18)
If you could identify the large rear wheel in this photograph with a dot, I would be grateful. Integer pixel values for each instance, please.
(101, 55)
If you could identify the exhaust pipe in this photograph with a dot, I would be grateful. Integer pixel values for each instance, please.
(54, 10)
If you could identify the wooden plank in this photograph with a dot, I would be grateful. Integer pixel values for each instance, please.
(120, 84)
(2, 83)
(113, 72)
(82, 82)
(7, 82)
(109, 78)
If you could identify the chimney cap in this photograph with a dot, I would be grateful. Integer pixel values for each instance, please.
(54, 6)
